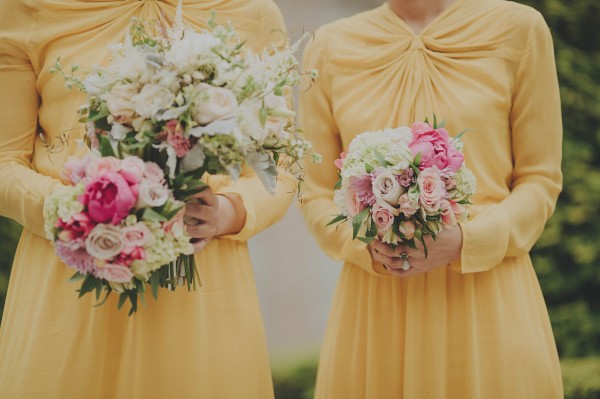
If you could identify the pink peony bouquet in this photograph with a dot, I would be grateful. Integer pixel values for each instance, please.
(119, 226)
(400, 185)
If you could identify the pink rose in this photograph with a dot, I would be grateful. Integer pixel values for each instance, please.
(407, 207)
(431, 190)
(114, 273)
(137, 235)
(99, 165)
(154, 173)
(132, 169)
(382, 217)
(109, 198)
(435, 148)
(407, 229)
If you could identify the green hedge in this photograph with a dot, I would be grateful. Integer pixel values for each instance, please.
(581, 378)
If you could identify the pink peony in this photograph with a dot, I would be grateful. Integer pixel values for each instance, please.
(435, 148)
(114, 273)
(109, 198)
(382, 217)
(431, 190)
(363, 187)
(78, 259)
(176, 138)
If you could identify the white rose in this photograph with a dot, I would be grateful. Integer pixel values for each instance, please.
(151, 99)
(214, 103)
(94, 84)
(387, 188)
(104, 242)
(151, 194)
(249, 122)
(119, 102)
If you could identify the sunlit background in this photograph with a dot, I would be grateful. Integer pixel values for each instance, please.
(296, 281)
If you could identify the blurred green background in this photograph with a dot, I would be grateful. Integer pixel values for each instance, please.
(568, 254)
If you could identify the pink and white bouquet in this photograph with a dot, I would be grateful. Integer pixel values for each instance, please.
(400, 185)
(117, 224)
(171, 105)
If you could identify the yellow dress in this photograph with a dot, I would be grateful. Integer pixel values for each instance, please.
(204, 344)
(477, 328)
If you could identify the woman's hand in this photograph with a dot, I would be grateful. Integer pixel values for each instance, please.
(445, 249)
(208, 215)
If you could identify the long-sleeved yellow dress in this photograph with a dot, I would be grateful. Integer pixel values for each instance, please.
(208, 343)
(477, 328)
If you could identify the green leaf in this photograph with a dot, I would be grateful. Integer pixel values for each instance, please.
(106, 148)
(366, 240)
(151, 215)
(369, 168)
(76, 277)
(380, 158)
(155, 283)
(358, 220)
(122, 298)
(339, 218)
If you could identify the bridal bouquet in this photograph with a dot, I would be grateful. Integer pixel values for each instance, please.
(117, 224)
(400, 185)
(187, 103)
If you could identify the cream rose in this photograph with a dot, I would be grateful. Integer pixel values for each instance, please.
(431, 190)
(119, 102)
(214, 103)
(114, 273)
(104, 242)
(137, 235)
(151, 99)
(387, 188)
(151, 194)
(407, 229)
(407, 207)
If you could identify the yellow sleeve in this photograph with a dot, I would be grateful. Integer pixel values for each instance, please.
(262, 208)
(511, 227)
(22, 189)
(319, 126)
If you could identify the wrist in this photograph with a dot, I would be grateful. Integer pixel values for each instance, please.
(232, 214)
